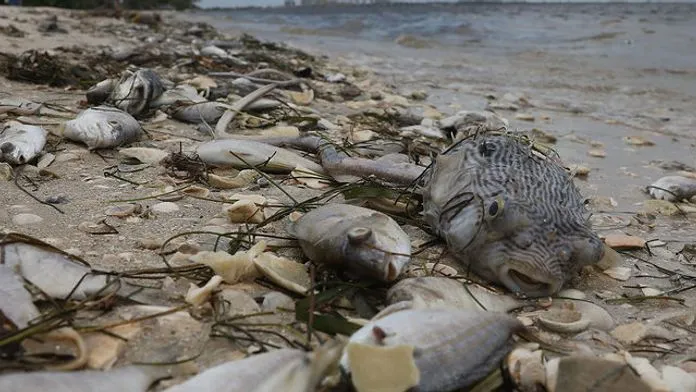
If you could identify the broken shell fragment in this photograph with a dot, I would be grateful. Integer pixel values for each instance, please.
(564, 320)
(526, 368)
(243, 178)
(245, 211)
(284, 272)
(620, 241)
(474, 342)
(197, 296)
(382, 368)
(102, 127)
(143, 154)
(583, 373)
(366, 242)
(233, 268)
(310, 179)
(20, 143)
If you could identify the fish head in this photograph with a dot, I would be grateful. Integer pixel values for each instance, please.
(376, 251)
(522, 247)
(10, 152)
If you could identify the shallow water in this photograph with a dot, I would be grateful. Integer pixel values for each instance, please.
(630, 69)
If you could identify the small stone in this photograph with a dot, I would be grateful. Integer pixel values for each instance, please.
(6, 173)
(543, 136)
(336, 78)
(597, 153)
(524, 117)
(45, 160)
(620, 241)
(638, 141)
(190, 247)
(238, 303)
(165, 207)
(419, 95)
(650, 292)
(26, 219)
(123, 210)
(149, 243)
(55, 242)
(579, 170)
(619, 273)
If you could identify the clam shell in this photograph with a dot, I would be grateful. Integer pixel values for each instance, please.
(455, 347)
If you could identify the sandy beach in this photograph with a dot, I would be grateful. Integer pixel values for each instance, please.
(598, 100)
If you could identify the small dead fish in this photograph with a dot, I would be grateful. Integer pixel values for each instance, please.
(15, 301)
(128, 378)
(20, 143)
(53, 271)
(100, 92)
(437, 292)
(181, 94)
(673, 188)
(19, 107)
(135, 91)
(361, 240)
(208, 112)
(102, 127)
(287, 370)
(452, 348)
(264, 156)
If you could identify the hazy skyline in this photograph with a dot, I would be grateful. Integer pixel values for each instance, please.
(239, 3)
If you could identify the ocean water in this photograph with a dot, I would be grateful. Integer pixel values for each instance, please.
(628, 69)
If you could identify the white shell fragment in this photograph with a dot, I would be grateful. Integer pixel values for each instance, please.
(102, 127)
(265, 157)
(284, 272)
(455, 348)
(364, 241)
(143, 154)
(197, 296)
(232, 268)
(20, 143)
(382, 368)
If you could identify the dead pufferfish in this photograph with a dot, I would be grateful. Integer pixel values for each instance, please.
(510, 212)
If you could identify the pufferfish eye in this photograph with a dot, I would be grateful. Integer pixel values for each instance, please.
(496, 207)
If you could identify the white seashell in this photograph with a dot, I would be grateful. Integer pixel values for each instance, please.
(384, 369)
(526, 368)
(233, 268)
(197, 296)
(284, 272)
(245, 211)
(619, 273)
(243, 178)
(303, 98)
(214, 51)
(144, 154)
(102, 127)
(20, 143)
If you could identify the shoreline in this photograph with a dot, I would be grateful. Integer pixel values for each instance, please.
(559, 104)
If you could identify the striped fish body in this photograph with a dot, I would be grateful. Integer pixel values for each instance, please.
(509, 212)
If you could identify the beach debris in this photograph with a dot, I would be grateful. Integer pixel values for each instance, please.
(310, 179)
(16, 303)
(288, 370)
(197, 296)
(6, 172)
(25, 219)
(284, 272)
(638, 141)
(136, 90)
(486, 224)
(55, 272)
(660, 207)
(574, 316)
(243, 178)
(102, 127)
(673, 188)
(465, 122)
(242, 154)
(142, 155)
(619, 273)
(431, 269)
(579, 170)
(621, 241)
(474, 342)
(19, 106)
(232, 268)
(633, 333)
(247, 209)
(382, 368)
(100, 92)
(128, 378)
(357, 239)
(19, 143)
(438, 292)
(105, 349)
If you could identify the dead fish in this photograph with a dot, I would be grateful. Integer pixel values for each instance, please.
(53, 271)
(19, 107)
(100, 92)
(438, 292)
(181, 94)
(102, 127)
(673, 188)
(15, 301)
(361, 240)
(287, 370)
(264, 156)
(128, 378)
(208, 112)
(20, 143)
(136, 90)
(452, 348)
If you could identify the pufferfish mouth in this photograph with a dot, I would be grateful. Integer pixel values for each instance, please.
(530, 284)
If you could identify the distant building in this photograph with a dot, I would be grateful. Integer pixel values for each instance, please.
(324, 2)
(289, 3)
